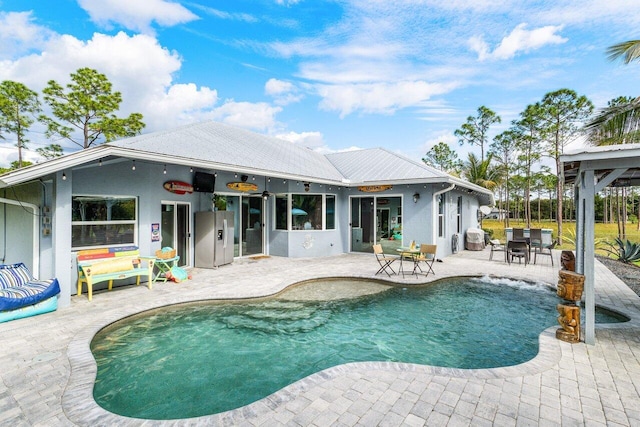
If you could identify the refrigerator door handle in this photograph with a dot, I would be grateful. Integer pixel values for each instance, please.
(224, 231)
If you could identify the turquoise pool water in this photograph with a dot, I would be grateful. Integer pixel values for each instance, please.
(187, 361)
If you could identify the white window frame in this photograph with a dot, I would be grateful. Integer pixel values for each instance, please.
(116, 222)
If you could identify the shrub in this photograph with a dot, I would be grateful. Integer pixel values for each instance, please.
(626, 252)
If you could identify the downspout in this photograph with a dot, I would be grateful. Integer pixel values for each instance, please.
(435, 210)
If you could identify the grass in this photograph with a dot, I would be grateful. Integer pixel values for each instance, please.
(602, 231)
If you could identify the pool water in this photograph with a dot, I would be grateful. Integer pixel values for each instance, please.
(192, 360)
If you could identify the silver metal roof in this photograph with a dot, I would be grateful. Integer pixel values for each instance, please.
(230, 146)
(378, 164)
(603, 160)
(216, 146)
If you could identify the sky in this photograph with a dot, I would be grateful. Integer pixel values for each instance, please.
(329, 75)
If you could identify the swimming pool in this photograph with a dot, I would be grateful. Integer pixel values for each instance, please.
(191, 360)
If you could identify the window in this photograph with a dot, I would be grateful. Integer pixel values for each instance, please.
(459, 215)
(305, 212)
(281, 212)
(440, 216)
(331, 212)
(103, 221)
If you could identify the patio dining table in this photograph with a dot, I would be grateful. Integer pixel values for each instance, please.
(413, 254)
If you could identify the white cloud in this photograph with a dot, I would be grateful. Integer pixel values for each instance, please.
(381, 98)
(137, 15)
(19, 34)
(313, 140)
(519, 40)
(284, 93)
(257, 116)
(142, 70)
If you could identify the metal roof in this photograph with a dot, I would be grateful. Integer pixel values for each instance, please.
(603, 160)
(378, 164)
(216, 146)
(229, 146)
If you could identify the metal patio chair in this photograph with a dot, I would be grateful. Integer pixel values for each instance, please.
(497, 246)
(428, 257)
(518, 249)
(545, 250)
(384, 260)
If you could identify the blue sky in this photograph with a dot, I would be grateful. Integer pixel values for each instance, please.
(330, 75)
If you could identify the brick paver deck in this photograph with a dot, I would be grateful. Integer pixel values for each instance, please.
(47, 372)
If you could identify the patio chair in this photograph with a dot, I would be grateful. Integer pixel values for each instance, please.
(384, 260)
(517, 249)
(541, 250)
(518, 234)
(497, 246)
(535, 236)
(428, 257)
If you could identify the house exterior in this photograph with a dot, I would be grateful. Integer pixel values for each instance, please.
(286, 200)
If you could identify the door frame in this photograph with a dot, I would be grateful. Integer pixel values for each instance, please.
(375, 197)
(188, 262)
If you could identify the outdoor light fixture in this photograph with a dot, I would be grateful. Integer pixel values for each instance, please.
(265, 195)
(164, 171)
(416, 197)
(306, 186)
(191, 169)
(100, 162)
(64, 176)
(134, 166)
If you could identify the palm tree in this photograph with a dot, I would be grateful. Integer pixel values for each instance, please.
(482, 172)
(629, 50)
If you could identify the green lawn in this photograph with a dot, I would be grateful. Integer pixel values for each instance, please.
(602, 231)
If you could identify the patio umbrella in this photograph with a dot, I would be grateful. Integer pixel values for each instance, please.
(297, 212)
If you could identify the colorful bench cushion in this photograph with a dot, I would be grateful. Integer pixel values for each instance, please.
(18, 289)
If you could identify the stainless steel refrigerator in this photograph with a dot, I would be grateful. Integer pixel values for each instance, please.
(214, 238)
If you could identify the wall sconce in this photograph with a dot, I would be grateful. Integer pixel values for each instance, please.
(416, 197)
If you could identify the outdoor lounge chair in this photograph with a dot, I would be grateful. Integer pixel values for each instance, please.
(384, 260)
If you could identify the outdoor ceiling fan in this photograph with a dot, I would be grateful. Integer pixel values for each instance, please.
(265, 194)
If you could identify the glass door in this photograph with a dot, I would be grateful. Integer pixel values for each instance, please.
(176, 230)
(362, 224)
(252, 225)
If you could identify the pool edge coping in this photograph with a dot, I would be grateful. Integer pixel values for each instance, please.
(80, 406)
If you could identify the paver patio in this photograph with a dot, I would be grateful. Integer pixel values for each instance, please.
(46, 369)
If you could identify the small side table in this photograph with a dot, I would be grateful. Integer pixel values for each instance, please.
(164, 266)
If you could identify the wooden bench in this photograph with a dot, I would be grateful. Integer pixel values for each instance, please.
(109, 264)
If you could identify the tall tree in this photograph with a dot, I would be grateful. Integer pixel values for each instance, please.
(441, 157)
(504, 150)
(18, 107)
(51, 151)
(86, 108)
(475, 130)
(529, 128)
(561, 112)
(629, 51)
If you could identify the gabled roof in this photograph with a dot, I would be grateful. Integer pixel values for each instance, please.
(216, 146)
(378, 164)
(229, 146)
